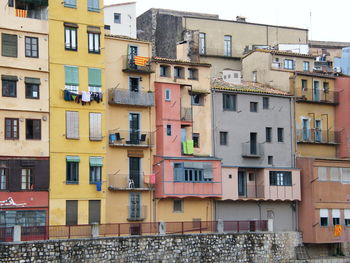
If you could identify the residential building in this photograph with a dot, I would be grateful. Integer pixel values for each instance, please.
(121, 19)
(221, 43)
(341, 63)
(24, 114)
(77, 108)
(130, 122)
(254, 138)
(188, 176)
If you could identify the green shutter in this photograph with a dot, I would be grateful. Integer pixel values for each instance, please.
(70, 3)
(93, 5)
(95, 77)
(9, 45)
(73, 159)
(96, 161)
(32, 80)
(8, 77)
(71, 75)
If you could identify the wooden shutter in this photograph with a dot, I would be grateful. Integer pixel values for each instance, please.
(72, 125)
(71, 212)
(95, 77)
(95, 126)
(94, 211)
(9, 45)
(71, 75)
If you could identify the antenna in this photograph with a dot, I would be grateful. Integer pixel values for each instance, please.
(310, 24)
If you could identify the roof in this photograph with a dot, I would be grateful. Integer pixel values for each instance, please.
(179, 61)
(280, 53)
(328, 44)
(127, 38)
(316, 74)
(246, 87)
(163, 11)
(119, 4)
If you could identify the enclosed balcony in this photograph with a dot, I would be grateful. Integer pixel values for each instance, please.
(136, 181)
(317, 136)
(137, 64)
(131, 138)
(186, 114)
(317, 96)
(128, 97)
(35, 9)
(252, 150)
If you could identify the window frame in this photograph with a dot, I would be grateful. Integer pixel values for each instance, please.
(270, 160)
(12, 130)
(223, 138)
(15, 51)
(119, 18)
(280, 134)
(69, 45)
(72, 167)
(326, 218)
(268, 134)
(202, 43)
(266, 103)
(164, 71)
(93, 6)
(31, 50)
(197, 99)
(336, 220)
(29, 86)
(93, 116)
(167, 94)
(304, 84)
(196, 141)
(92, 174)
(179, 72)
(29, 179)
(227, 45)
(253, 106)
(281, 178)
(138, 84)
(179, 203)
(227, 99)
(306, 68)
(35, 136)
(14, 87)
(168, 130)
(68, 3)
(288, 64)
(192, 73)
(3, 173)
(96, 43)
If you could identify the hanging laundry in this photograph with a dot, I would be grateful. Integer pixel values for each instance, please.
(85, 96)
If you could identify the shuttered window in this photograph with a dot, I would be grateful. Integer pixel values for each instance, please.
(94, 77)
(94, 5)
(94, 211)
(70, 3)
(71, 75)
(9, 45)
(95, 126)
(72, 125)
(71, 212)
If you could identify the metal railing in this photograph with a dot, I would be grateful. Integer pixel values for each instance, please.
(252, 150)
(128, 97)
(319, 96)
(317, 136)
(131, 138)
(126, 181)
(218, 52)
(186, 114)
(130, 66)
(252, 191)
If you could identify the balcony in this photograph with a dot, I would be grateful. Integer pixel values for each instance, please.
(131, 138)
(35, 9)
(217, 52)
(318, 136)
(252, 150)
(186, 114)
(271, 192)
(127, 97)
(317, 96)
(128, 182)
(130, 66)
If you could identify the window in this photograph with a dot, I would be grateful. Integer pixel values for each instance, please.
(316, 91)
(324, 217)
(94, 39)
(135, 206)
(227, 46)
(255, 76)
(306, 66)
(32, 47)
(345, 175)
(71, 38)
(195, 175)
(325, 87)
(95, 80)
(322, 173)
(223, 138)
(94, 211)
(32, 88)
(94, 5)
(280, 134)
(179, 72)
(347, 217)
(288, 64)
(253, 107)
(229, 102)
(33, 129)
(3, 178)
(167, 94)
(27, 179)
(251, 177)
(336, 217)
(70, 3)
(117, 18)
(164, 71)
(71, 212)
(8, 45)
(268, 134)
(178, 205)
(11, 129)
(280, 178)
(197, 99)
(72, 78)
(95, 126)
(95, 169)
(270, 160)
(304, 85)
(10, 3)
(195, 138)
(134, 84)
(335, 174)
(202, 44)
(168, 130)
(72, 169)
(9, 86)
(266, 103)
(192, 73)
(72, 125)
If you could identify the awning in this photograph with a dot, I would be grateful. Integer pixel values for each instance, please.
(32, 80)
(96, 161)
(93, 29)
(8, 77)
(73, 159)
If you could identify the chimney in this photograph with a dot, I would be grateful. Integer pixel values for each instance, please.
(240, 19)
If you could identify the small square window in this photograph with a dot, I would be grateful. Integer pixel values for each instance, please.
(117, 18)
(251, 177)
(9, 88)
(178, 206)
(168, 130)
(266, 103)
(253, 107)
(223, 138)
(197, 99)
(164, 71)
(195, 137)
(179, 72)
(192, 73)
(168, 95)
(229, 102)
(32, 91)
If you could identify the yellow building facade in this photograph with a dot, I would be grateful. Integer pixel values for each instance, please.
(77, 106)
(130, 126)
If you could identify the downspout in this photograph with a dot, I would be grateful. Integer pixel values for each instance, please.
(294, 144)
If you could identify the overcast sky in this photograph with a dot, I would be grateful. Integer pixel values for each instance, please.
(329, 20)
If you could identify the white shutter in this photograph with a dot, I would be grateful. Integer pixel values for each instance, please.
(324, 213)
(95, 126)
(335, 213)
(72, 124)
(346, 213)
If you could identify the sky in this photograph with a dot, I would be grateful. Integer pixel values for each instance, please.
(326, 20)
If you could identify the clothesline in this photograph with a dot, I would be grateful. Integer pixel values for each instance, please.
(83, 96)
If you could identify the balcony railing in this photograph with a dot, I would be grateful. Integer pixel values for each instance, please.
(273, 192)
(127, 97)
(186, 114)
(136, 213)
(250, 150)
(251, 191)
(318, 96)
(220, 52)
(127, 182)
(317, 136)
(130, 66)
(133, 138)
